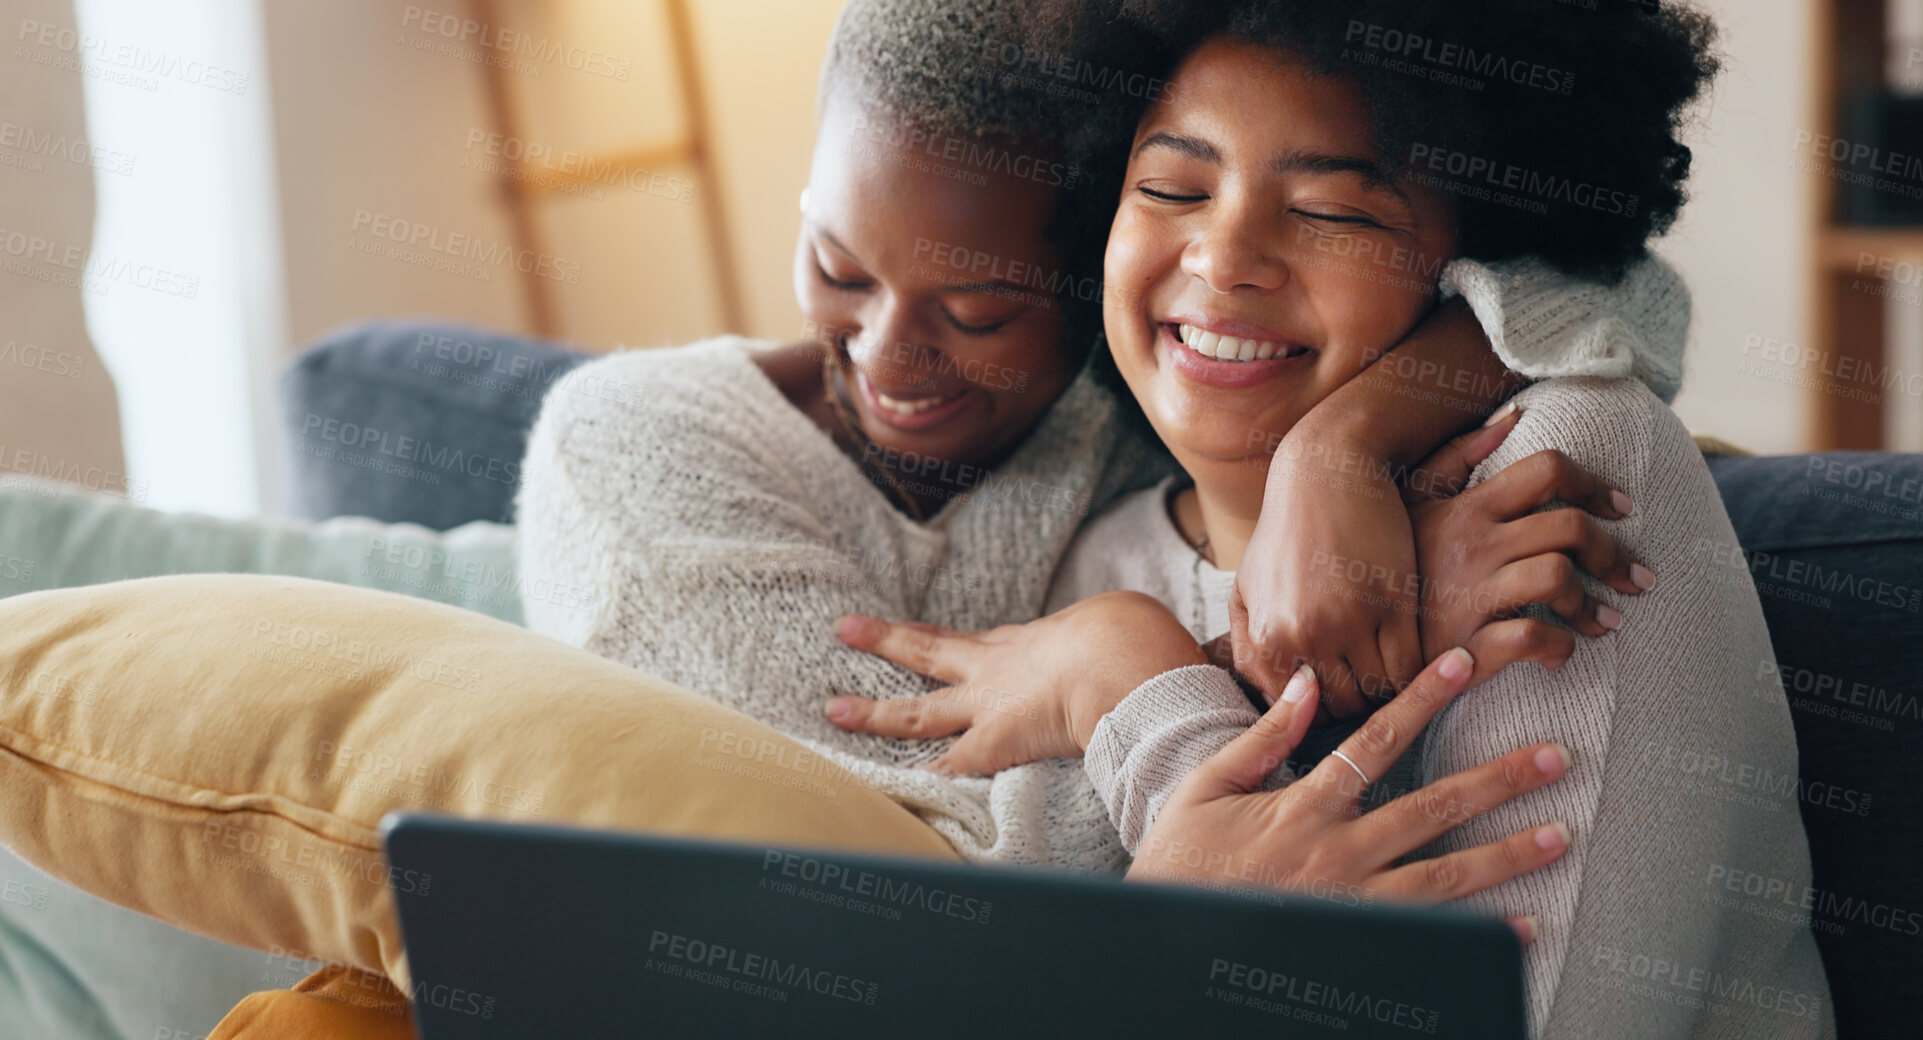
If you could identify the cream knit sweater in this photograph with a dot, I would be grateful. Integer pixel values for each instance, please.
(720, 533)
(1684, 771)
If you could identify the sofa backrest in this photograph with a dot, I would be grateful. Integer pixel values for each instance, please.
(414, 422)
(1835, 545)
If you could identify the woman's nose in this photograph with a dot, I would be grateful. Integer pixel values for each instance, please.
(883, 327)
(1234, 251)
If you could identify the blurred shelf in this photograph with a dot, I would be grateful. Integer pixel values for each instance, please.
(1842, 248)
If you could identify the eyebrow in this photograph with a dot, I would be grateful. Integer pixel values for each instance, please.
(1296, 161)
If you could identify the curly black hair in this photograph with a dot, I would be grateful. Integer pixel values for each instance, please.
(1552, 124)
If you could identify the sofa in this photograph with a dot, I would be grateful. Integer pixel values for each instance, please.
(404, 443)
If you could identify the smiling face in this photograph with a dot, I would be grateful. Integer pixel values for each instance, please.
(1260, 259)
(931, 282)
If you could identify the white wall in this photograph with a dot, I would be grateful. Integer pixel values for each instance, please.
(1744, 242)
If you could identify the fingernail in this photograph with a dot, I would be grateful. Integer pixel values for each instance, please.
(1623, 503)
(1525, 928)
(1553, 838)
(839, 708)
(1553, 760)
(1500, 414)
(1608, 617)
(1644, 578)
(852, 627)
(1457, 664)
(1299, 683)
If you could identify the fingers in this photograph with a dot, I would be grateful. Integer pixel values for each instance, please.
(1446, 473)
(937, 714)
(1420, 817)
(1573, 532)
(1549, 476)
(1355, 686)
(934, 652)
(1390, 731)
(1499, 644)
(1245, 762)
(1400, 640)
(1553, 581)
(1526, 928)
(1459, 874)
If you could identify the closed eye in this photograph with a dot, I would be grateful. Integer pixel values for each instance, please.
(1163, 196)
(974, 330)
(1337, 218)
(835, 283)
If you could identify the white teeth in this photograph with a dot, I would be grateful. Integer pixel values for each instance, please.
(1228, 348)
(911, 407)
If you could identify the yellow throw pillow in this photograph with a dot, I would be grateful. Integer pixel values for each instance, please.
(217, 751)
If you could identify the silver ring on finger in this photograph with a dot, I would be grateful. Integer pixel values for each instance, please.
(1351, 764)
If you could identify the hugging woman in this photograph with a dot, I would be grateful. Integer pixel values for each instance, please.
(935, 457)
(1219, 197)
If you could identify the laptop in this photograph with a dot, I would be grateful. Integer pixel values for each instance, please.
(536, 931)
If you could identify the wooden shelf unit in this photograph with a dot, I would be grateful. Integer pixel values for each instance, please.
(1850, 325)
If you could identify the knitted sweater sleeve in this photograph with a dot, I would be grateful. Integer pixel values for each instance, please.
(1670, 725)
(660, 483)
(1545, 324)
(1683, 761)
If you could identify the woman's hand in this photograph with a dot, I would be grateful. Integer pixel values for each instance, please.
(1219, 827)
(1022, 692)
(1346, 592)
(1486, 553)
(1335, 511)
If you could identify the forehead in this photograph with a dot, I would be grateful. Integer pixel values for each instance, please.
(1262, 97)
(892, 186)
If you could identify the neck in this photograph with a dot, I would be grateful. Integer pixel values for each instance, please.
(1224, 506)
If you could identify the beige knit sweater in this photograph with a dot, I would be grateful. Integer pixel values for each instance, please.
(1684, 771)
(720, 533)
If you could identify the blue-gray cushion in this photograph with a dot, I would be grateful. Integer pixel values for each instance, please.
(414, 422)
(1835, 545)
